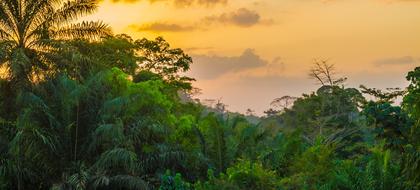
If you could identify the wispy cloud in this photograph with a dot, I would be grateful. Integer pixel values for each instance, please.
(209, 3)
(162, 27)
(180, 3)
(210, 67)
(398, 61)
(193, 49)
(242, 18)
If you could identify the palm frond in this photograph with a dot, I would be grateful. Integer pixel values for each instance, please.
(163, 158)
(4, 51)
(99, 180)
(119, 182)
(32, 25)
(36, 13)
(84, 30)
(106, 134)
(73, 10)
(13, 8)
(117, 158)
(4, 34)
(6, 22)
(79, 180)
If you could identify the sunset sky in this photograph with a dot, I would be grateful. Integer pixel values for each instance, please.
(248, 52)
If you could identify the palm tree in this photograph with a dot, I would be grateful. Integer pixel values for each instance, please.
(31, 32)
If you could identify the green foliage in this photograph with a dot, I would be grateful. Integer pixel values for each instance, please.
(169, 182)
(31, 32)
(320, 113)
(82, 112)
(410, 167)
(242, 175)
(389, 122)
(411, 157)
(312, 169)
(411, 104)
(246, 174)
(281, 151)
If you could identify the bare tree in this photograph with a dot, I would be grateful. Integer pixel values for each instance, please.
(325, 73)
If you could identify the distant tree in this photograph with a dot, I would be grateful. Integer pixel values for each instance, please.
(325, 74)
(389, 96)
(411, 104)
(220, 106)
(284, 102)
(411, 101)
(390, 123)
(323, 112)
(271, 112)
(157, 56)
(250, 112)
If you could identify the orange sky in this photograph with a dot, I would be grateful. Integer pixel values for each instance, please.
(248, 52)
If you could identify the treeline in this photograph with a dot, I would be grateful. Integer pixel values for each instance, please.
(82, 108)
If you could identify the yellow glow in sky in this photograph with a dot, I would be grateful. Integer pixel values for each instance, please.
(248, 52)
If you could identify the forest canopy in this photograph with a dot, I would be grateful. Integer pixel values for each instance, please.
(82, 108)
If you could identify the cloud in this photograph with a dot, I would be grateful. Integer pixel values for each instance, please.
(210, 67)
(398, 61)
(185, 3)
(162, 27)
(241, 17)
(180, 3)
(194, 49)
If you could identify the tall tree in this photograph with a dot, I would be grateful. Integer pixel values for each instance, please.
(31, 31)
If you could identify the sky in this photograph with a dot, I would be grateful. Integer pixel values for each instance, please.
(248, 52)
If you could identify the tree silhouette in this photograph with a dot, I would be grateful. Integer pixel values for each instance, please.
(325, 73)
(31, 31)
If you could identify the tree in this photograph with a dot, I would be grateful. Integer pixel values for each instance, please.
(112, 137)
(227, 138)
(389, 96)
(250, 112)
(142, 59)
(324, 73)
(158, 57)
(84, 58)
(323, 112)
(331, 107)
(411, 104)
(31, 31)
(284, 102)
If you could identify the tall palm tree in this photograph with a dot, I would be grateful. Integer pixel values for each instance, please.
(31, 32)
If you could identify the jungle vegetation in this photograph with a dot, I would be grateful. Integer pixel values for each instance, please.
(82, 108)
